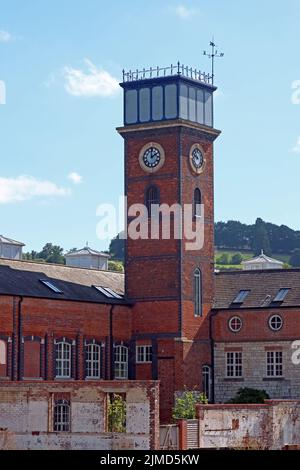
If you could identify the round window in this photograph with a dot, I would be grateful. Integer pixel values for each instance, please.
(275, 322)
(235, 324)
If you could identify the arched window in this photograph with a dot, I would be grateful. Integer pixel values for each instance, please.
(206, 381)
(198, 292)
(121, 362)
(63, 359)
(152, 197)
(62, 415)
(197, 203)
(93, 360)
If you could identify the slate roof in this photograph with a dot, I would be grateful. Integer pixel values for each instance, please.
(87, 251)
(10, 241)
(24, 278)
(263, 286)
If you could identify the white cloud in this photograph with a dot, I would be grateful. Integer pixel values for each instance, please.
(5, 36)
(26, 187)
(93, 82)
(185, 12)
(75, 177)
(297, 146)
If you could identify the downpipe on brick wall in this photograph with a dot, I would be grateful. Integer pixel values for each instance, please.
(212, 353)
(20, 337)
(111, 343)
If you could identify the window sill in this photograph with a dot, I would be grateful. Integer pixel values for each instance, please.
(94, 378)
(143, 362)
(63, 378)
(234, 379)
(273, 379)
(38, 379)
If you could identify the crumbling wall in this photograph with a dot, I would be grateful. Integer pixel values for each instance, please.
(26, 415)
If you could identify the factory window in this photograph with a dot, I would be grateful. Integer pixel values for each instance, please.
(121, 362)
(274, 363)
(93, 360)
(63, 357)
(197, 292)
(62, 416)
(234, 364)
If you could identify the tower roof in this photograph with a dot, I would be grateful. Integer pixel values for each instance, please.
(10, 241)
(262, 259)
(86, 251)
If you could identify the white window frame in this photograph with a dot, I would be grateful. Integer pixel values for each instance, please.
(121, 362)
(206, 380)
(143, 354)
(197, 292)
(93, 360)
(234, 362)
(275, 317)
(274, 363)
(64, 362)
(62, 416)
(231, 320)
(3, 352)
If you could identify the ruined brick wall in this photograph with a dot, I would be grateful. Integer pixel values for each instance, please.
(265, 426)
(26, 415)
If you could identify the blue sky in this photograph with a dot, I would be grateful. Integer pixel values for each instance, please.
(61, 60)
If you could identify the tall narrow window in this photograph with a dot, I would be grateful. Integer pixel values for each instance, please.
(121, 362)
(63, 359)
(62, 416)
(152, 197)
(3, 356)
(93, 360)
(198, 292)
(206, 379)
(197, 203)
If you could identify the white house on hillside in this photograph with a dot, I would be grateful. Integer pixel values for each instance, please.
(10, 249)
(262, 262)
(87, 258)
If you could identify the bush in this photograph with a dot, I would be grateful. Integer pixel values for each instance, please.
(116, 413)
(185, 404)
(236, 258)
(249, 395)
(295, 259)
(116, 266)
(223, 259)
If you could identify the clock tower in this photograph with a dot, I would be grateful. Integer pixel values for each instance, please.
(168, 145)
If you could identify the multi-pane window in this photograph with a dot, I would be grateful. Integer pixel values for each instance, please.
(234, 364)
(93, 360)
(274, 363)
(206, 378)
(275, 322)
(198, 292)
(144, 353)
(62, 416)
(121, 362)
(63, 359)
(235, 324)
(152, 197)
(197, 202)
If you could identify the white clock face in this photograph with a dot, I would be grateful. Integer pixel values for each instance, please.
(151, 157)
(197, 159)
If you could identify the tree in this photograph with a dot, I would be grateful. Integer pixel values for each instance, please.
(52, 254)
(185, 404)
(116, 266)
(261, 239)
(223, 259)
(116, 413)
(249, 395)
(236, 258)
(295, 259)
(117, 247)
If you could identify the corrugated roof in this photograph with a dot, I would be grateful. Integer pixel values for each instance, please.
(23, 278)
(262, 258)
(10, 241)
(261, 283)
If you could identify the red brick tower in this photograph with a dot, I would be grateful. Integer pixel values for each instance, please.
(168, 133)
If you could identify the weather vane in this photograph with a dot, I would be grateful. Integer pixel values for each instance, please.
(214, 53)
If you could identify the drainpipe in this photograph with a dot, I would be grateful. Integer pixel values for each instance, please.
(111, 343)
(20, 337)
(212, 352)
